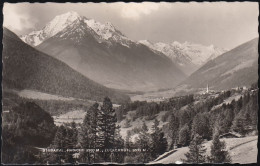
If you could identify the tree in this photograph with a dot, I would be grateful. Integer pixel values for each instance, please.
(184, 118)
(224, 120)
(88, 133)
(239, 125)
(218, 154)
(162, 144)
(196, 152)
(118, 144)
(130, 157)
(247, 121)
(128, 142)
(106, 127)
(144, 143)
(173, 129)
(59, 142)
(155, 139)
(93, 128)
(159, 142)
(184, 135)
(144, 127)
(70, 141)
(127, 123)
(201, 126)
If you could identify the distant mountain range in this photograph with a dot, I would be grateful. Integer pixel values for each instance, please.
(187, 56)
(103, 54)
(25, 67)
(237, 67)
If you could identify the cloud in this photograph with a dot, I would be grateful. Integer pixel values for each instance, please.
(135, 10)
(17, 21)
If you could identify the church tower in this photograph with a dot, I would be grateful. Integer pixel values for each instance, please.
(207, 88)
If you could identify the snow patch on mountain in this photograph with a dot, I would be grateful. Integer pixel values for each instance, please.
(185, 54)
(199, 54)
(104, 30)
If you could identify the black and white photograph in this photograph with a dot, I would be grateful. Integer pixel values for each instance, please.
(130, 83)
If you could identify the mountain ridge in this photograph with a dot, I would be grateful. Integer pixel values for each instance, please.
(237, 67)
(188, 56)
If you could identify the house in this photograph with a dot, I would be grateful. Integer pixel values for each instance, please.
(230, 135)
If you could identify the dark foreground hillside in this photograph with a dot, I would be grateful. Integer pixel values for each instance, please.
(26, 68)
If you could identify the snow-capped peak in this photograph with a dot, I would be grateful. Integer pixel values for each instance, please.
(60, 22)
(52, 28)
(103, 32)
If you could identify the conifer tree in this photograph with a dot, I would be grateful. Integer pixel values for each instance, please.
(118, 144)
(239, 125)
(129, 145)
(247, 121)
(196, 152)
(128, 142)
(201, 126)
(173, 127)
(159, 143)
(70, 143)
(184, 118)
(59, 143)
(218, 154)
(74, 137)
(155, 139)
(127, 123)
(144, 143)
(88, 133)
(106, 127)
(184, 135)
(162, 144)
(93, 128)
(144, 127)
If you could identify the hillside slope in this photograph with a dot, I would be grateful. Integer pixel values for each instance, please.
(238, 67)
(242, 150)
(26, 68)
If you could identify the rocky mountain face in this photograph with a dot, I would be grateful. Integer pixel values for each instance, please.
(187, 56)
(237, 67)
(103, 54)
(61, 22)
(24, 67)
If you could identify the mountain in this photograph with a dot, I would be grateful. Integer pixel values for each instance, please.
(237, 67)
(25, 67)
(187, 56)
(103, 54)
(61, 22)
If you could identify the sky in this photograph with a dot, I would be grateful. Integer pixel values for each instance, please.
(223, 24)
